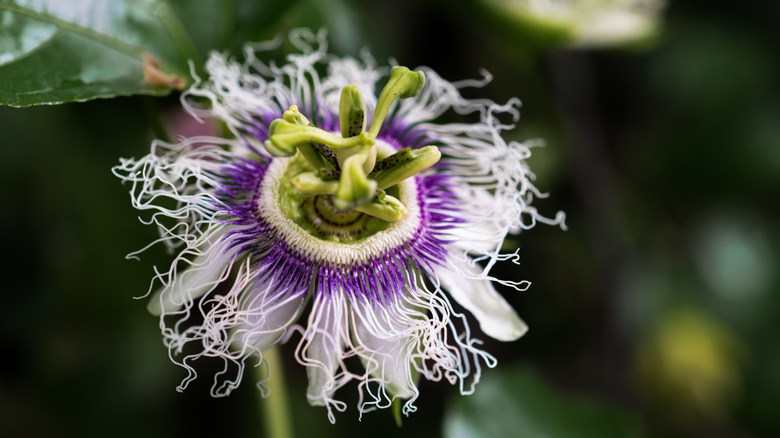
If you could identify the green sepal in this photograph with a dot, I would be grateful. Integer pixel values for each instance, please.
(397, 402)
(404, 164)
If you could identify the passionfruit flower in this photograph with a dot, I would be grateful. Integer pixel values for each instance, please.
(342, 219)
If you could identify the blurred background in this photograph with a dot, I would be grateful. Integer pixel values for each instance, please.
(656, 314)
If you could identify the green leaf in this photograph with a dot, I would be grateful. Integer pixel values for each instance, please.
(55, 51)
(518, 403)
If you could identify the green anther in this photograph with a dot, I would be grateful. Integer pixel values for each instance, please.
(312, 155)
(329, 156)
(352, 112)
(310, 182)
(326, 173)
(385, 207)
(354, 188)
(403, 83)
(404, 164)
(352, 122)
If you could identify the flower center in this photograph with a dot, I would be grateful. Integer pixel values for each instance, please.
(314, 227)
(341, 174)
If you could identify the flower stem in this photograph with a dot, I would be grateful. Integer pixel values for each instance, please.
(278, 423)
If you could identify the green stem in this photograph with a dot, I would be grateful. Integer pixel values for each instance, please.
(278, 423)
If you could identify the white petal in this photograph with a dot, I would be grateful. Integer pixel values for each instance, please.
(323, 352)
(479, 236)
(385, 350)
(268, 316)
(496, 317)
(205, 271)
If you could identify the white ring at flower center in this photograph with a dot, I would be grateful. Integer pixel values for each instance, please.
(319, 250)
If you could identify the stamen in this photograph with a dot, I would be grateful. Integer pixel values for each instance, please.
(384, 207)
(405, 163)
(352, 122)
(352, 112)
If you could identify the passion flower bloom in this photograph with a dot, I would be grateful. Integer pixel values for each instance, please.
(366, 234)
